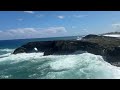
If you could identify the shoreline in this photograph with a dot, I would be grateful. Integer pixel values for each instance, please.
(108, 47)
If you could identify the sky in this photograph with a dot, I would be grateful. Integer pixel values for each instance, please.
(42, 24)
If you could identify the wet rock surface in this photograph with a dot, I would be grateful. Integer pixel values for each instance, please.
(108, 47)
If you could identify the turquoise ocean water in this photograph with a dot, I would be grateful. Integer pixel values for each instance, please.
(37, 66)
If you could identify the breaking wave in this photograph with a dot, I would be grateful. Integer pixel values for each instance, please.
(6, 50)
(37, 66)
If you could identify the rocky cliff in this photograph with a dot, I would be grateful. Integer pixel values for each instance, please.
(108, 47)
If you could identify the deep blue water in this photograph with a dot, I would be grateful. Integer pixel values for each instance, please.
(18, 42)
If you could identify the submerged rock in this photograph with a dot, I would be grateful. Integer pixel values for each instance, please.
(107, 47)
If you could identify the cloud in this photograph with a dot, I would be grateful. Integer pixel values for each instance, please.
(73, 27)
(39, 16)
(61, 17)
(22, 33)
(116, 26)
(85, 30)
(79, 16)
(0, 31)
(55, 30)
(20, 19)
(82, 32)
(31, 12)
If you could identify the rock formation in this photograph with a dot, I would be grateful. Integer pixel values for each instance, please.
(108, 47)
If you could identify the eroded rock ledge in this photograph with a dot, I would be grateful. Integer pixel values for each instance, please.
(108, 47)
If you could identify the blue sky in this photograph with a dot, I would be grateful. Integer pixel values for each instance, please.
(41, 24)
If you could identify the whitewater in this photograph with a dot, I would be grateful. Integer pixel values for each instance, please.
(37, 66)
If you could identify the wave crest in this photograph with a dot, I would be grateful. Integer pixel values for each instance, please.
(7, 50)
(35, 65)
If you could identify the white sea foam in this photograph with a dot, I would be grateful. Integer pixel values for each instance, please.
(7, 50)
(5, 76)
(112, 35)
(35, 65)
(5, 55)
(79, 38)
(35, 49)
(84, 66)
(21, 57)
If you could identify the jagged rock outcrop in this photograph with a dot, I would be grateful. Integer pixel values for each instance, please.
(59, 47)
(99, 45)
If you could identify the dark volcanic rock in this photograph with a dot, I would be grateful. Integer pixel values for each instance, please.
(59, 47)
(99, 45)
(20, 50)
(113, 55)
(29, 47)
(90, 36)
(111, 45)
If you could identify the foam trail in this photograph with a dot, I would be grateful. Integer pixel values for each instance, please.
(6, 50)
(37, 66)
(5, 55)
(112, 35)
(84, 66)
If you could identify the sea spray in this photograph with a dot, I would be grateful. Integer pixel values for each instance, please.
(37, 66)
(6, 50)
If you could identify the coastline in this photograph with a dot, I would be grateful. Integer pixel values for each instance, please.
(108, 47)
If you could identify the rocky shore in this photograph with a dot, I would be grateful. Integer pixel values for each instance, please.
(108, 47)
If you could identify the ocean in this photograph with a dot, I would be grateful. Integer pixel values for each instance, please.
(37, 66)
